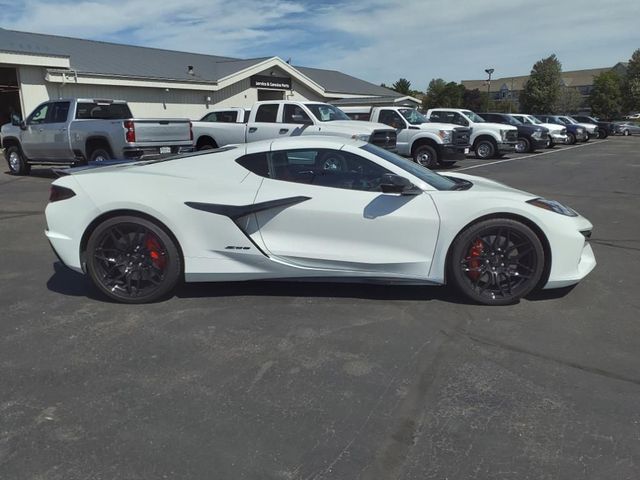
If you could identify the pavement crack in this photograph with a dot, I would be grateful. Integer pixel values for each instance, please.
(567, 363)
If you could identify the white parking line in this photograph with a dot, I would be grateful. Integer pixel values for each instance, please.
(593, 142)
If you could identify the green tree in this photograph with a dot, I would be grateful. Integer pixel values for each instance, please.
(402, 86)
(443, 94)
(474, 100)
(569, 101)
(631, 88)
(542, 90)
(605, 99)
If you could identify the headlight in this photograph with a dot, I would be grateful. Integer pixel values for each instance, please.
(553, 206)
(503, 134)
(445, 135)
(580, 130)
(361, 136)
(537, 134)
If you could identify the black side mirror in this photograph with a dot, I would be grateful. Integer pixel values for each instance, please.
(15, 120)
(392, 183)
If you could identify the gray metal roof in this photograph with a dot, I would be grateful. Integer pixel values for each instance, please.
(338, 82)
(104, 58)
(380, 100)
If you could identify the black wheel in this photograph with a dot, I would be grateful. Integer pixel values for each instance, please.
(602, 133)
(523, 145)
(571, 138)
(550, 143)
(485, 149)
(496, 261)
(426, 156)
(626, 132)
(205, 146)
(17, 163)
(99, 155)
(132, 260)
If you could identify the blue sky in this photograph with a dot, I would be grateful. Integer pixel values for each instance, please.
(377, 40)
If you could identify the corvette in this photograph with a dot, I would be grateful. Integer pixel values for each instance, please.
(309, 208)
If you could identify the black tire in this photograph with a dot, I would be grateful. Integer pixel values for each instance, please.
(602, 133)
(523, 145)
(205, 146)
(99, 155)
(133, 260)
(626, 133)
(485, 149)
(496, 261)
(17, 162)
(550, 143)
(426, 156)
(571, 138)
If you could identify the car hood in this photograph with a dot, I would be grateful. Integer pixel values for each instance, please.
(497, 126)
(481, 184)
(356, 126)
(552, 127)
(438, 125)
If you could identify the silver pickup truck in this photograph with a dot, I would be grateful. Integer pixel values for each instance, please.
(282, 118)
(74, 131)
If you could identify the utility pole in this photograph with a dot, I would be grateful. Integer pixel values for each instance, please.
(489, 71)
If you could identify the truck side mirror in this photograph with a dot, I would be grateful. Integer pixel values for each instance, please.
(15, 120)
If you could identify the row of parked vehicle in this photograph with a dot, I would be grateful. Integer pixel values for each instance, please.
(76, 131)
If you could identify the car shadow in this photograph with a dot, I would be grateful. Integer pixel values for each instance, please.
(47, 173)
(68, 282)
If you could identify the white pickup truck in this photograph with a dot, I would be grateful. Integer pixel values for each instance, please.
(488, 140)
(281, 118)
(72, 131)
(426, 142)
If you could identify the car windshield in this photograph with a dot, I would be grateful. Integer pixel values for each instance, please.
(413, 116)
(326, 113)
(436, 181)
(473, 117)
(568, 120)
(531, 119)
(513, 121)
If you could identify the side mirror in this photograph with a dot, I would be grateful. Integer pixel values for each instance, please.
(15, 120)
(392, 183)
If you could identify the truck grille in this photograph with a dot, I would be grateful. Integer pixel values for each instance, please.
(512, 136)
(461, 136)
(385, 139)
(544, 134)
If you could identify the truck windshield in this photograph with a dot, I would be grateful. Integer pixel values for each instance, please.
(513, 121)
(326, 113)
(566, 120)
(473, 117)
(412, 116)
(436, 181)
(531, 119)
(102, 111)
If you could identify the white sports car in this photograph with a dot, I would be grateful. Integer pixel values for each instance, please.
(309, 208)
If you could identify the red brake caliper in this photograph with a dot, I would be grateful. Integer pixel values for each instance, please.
(474, 259)
(155, 250)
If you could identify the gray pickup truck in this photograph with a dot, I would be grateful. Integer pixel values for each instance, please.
(75, 131)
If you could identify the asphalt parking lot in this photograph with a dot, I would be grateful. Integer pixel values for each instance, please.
(329, 381)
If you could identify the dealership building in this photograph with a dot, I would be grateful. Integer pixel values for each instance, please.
(162, 83)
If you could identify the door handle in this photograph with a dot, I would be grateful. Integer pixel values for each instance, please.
(283, 130)
(253, 129)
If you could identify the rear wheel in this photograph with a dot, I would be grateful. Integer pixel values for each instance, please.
(485, 149)
(496, 261)
(132, 260)
(426, 156)
(99, 155)
(17, 162)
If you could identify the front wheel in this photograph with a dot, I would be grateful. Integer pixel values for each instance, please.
(626, 133)
(132, 260)
(602, 133)
(485, 149)
(17, 162)
(496, 261)
(523, 145)
(426, 156)
(571, 138)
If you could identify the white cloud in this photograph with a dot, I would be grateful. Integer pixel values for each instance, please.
(378, 40)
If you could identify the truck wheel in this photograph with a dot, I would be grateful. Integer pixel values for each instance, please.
(523, 145)
(550, 143)
(17, 163)
(425, 156)
(485, 149)
(571, 138)
(602, 133)
(99, 155)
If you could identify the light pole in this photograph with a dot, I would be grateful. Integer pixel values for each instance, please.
(489, 71)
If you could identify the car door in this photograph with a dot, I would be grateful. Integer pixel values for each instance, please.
(338, 219)
(265, 124)
(32, 137)
(55, 136)
(394, 120)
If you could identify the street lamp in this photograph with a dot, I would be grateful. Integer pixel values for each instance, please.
(489, 71)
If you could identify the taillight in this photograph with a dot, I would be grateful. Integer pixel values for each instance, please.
(58, 193)
(130, 131)
(191, 131)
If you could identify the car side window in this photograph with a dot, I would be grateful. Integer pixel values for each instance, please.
(295, 114)
(221, 117)
(326, 168)
(391, 118)
(458, 119)
(256, 163)
(267, 113)
(39, 115)
(59, 112)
